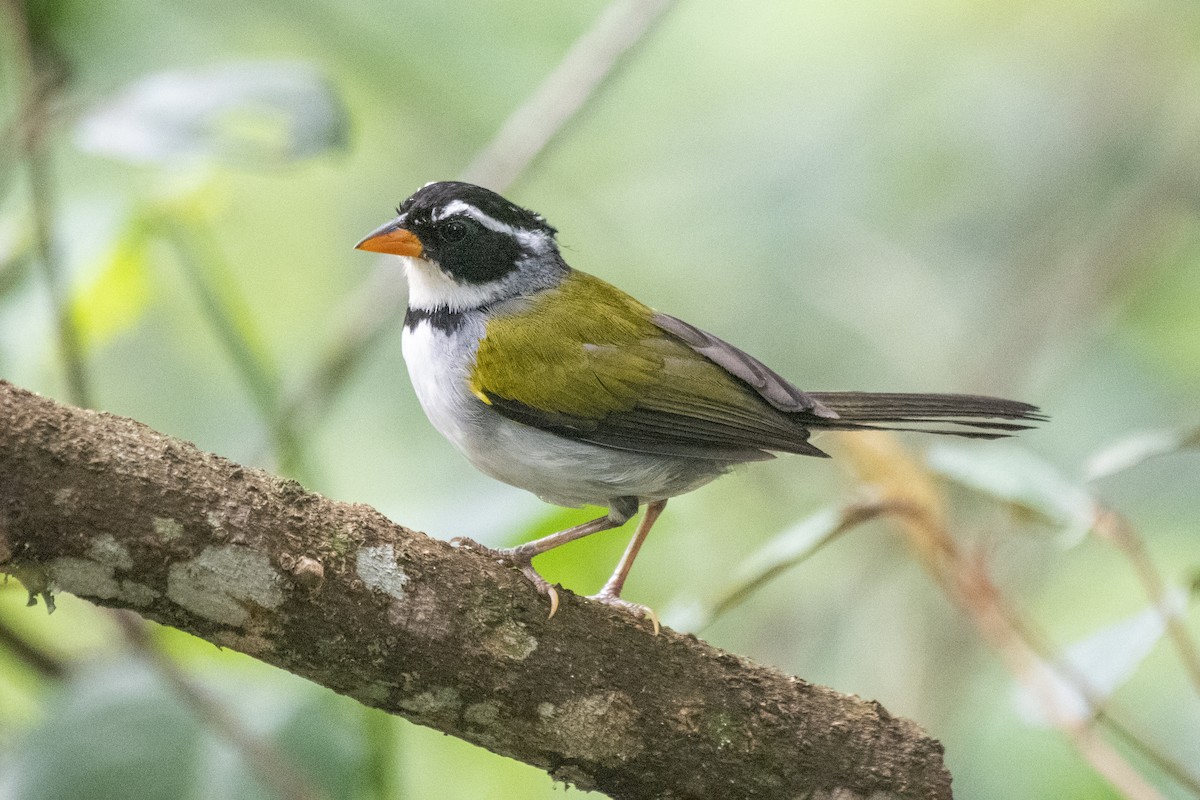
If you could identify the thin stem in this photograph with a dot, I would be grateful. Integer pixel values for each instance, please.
(1116, 529)
(577, 79)
(1029, 659)
(40, 661)
(370, 313)
(916, 502)
(380, 730)
(850, 517)
(285, 780)
(1026, 653)
(13, 271)
(198, 259)
(70, 347)
(1167, 766)
(41, 84)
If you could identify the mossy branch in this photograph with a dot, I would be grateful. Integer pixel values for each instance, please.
(110, 510)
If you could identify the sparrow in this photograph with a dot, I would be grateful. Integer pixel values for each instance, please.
(554, 381)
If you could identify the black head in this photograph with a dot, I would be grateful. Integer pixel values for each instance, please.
(472, 233)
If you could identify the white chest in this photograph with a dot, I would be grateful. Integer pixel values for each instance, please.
(439, 363)
(440, 357)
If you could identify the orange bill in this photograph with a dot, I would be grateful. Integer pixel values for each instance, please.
(391, 238)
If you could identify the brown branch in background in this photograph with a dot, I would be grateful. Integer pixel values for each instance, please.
(1114, 528)
(112, 511)
(592, 61)
(907, 487)
(43, 78)
(285, 778)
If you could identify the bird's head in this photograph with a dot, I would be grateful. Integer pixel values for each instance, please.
(466, 243)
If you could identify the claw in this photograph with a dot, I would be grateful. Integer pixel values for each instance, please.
(636, 609)
(541, 584)
(525, 564)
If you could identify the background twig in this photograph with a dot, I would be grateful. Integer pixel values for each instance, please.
(286, 779)
(1116, 529)
(914, 502)
(201, 264)
(591, 61)
(43, 663)
(43, 77)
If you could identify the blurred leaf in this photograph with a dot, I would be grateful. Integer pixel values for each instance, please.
(786, 549)
(1103, 662)
(250, 114)
(115, 732)
(1137, 448)
(119, 293)
(1021, 479)
(316, 731)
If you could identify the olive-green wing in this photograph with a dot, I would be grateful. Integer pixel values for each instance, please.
(590, 363)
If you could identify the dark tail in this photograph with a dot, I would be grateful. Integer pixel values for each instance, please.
(918, 412)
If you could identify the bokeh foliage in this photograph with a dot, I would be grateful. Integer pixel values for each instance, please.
(923, 195)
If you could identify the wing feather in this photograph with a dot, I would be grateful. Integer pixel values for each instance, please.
(606, 370)
(588, 362)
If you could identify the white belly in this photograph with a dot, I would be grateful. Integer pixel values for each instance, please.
(557, 469)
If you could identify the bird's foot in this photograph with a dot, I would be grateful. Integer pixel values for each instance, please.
(638, 610)
(512, 557)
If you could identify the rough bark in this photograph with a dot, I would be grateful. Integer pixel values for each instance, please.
(110, 510)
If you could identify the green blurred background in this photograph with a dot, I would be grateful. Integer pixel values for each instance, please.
(993, 197)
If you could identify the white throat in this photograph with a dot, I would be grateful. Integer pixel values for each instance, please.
(430, 288)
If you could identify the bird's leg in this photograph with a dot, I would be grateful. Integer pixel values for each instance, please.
(610, 594)
(522, 555)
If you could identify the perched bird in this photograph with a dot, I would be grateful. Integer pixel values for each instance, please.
(554, 381)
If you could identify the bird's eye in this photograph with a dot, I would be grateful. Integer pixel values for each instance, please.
(454, 230)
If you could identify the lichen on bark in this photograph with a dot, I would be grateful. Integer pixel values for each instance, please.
(111, 510)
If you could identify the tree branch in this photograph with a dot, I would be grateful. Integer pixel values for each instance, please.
(110, 510)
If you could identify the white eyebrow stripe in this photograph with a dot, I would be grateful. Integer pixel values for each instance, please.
(450, 209)
(522, 235)
(462, 207)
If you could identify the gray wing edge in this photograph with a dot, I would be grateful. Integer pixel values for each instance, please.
(772, 387)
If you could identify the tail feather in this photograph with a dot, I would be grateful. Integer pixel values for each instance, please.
(863, 410)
